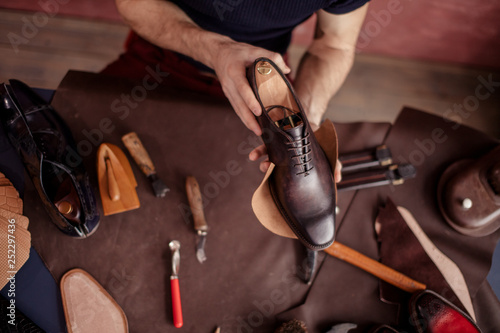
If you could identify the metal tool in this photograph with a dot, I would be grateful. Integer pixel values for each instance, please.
(378, 156)
(200, 224)
(141, 157)
(451, 272)
(342, 328)
(174, 283)
(393, 175)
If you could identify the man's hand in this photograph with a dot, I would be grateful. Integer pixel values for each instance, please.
(164, 24)
(229, 60)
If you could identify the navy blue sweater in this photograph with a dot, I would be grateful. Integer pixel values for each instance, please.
(264, 23)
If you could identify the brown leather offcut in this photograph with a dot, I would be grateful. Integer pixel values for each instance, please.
(248, 282)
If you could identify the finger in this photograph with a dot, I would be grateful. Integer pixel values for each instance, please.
(338, 171)
(249, 120)
(278, 60)
(257, 153)
(248, 96)
(241, 86)
(264, 165)
(243, 111)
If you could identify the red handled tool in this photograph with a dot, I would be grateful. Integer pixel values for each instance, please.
(174, 283)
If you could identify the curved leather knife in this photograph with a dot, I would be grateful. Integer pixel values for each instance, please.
(200, 224)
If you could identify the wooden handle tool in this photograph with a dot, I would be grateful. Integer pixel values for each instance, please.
(196, 203)
(113, 189)
(141, 157)
(374, 267)
(200, 224)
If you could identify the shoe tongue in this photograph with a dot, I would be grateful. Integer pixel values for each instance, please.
(296, 132)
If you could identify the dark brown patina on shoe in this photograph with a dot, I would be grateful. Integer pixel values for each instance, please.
(302, 183)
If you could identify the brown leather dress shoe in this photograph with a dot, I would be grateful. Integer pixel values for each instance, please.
(302, 182)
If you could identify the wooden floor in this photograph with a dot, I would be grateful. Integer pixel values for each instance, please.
(375, 90)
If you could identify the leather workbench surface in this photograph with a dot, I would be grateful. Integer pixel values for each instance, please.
(248, 280)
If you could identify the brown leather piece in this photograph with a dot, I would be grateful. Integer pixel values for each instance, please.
(431, 144)
(411, 259)
(248, 277)
(432, 147)
(341, 292)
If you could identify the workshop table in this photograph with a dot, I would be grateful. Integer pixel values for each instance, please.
(248, 282)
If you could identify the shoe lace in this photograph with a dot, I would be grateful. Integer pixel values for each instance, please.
(302, 149)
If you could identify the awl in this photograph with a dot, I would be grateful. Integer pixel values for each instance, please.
(141, 157)
(200, 224)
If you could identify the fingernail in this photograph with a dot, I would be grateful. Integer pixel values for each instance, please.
(257, 111)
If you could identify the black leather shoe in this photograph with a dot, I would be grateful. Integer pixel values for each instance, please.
(44, 143)
(302, 182)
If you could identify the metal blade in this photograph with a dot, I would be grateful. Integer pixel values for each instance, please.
(159, 186)
(200, 247)
(451, 272)
(342, 328)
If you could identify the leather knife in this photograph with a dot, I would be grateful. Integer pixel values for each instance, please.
(200, 224)
(141, 157)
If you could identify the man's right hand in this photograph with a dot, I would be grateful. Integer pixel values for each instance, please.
(164, 24)
(230, 60)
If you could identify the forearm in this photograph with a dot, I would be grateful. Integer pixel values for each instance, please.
(166, 25)
(321, 73)
(328, 60)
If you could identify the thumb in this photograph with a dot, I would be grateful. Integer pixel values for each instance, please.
(278, 60)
